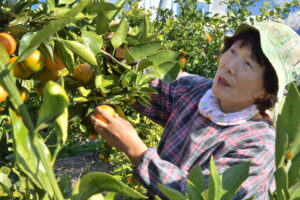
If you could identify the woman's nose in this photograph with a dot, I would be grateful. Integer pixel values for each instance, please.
(230, 67)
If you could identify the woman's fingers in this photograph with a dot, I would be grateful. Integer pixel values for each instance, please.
(103, 115)
(97, 122)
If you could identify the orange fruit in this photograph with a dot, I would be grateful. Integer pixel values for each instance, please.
(57, 64)
(92, 136)
(3, 94)
(24, 94)
(209, 38)
(84, 73)
(34, 62)
(18, 70)
(107, 109)
(182, 60)
(8, 42)
(47, 75)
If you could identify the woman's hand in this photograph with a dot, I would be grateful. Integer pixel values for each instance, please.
(119, 133)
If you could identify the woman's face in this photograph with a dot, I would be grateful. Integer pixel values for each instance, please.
(239, 79)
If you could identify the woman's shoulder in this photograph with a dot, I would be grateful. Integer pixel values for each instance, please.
(255, 130)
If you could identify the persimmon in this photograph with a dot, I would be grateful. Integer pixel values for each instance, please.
(8, 42)
(46, 75)
(84, 73)
(24, 93)
(56, 64)
(19, 71)
(107, 109)
(35, 62)
(3, 94)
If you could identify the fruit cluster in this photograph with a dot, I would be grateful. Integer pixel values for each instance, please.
(45, 67)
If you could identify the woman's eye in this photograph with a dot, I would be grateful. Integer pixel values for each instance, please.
(232, 51)
(248, 64)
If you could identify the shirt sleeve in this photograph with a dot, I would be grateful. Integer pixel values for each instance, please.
(153, 170)
(167, 95)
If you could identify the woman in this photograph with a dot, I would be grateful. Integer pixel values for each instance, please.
(224, 118)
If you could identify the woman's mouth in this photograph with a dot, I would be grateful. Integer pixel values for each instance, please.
(222, 82)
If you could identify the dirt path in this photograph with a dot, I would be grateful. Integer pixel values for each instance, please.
(77, 166)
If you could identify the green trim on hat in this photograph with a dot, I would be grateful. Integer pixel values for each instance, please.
(281, 45)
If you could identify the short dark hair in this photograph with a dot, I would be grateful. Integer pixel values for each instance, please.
(251, 37)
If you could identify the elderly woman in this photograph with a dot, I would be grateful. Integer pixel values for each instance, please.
(224, 118)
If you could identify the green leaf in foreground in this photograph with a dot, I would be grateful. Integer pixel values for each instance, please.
(97, 182)
(54, 97)
(27, 157)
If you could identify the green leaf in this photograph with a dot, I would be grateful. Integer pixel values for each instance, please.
(111, 14)
(65, 185)
(4, 179)
(294, 171)
(193, 192)
(97, 197)
(101, 24)
(197, 178)
(66, 2)
(162, 57)
(97, 182)
(291, 115)
(47, 50)
(100, 7)
(25, 42)
(142, 50)
(120, 35)
(26, 155)
(281, 144)
(93, 41)
(215, 185)
(106, 82)
(167, 71)
(296, 194)
(281, 182)
(144, 30)
(233, 178)
(51, 28)
(66, 56)
(171, 193)
(6, 190)
(82, 51)
(61, 129)
(51, 4)
(54, 97)
(126, 78)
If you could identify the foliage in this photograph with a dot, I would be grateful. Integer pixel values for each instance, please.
(197, 35)
(124, 54)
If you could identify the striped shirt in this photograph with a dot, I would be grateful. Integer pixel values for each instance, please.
(190, 139)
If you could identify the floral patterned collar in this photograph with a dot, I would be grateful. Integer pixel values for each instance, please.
(209, 107)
